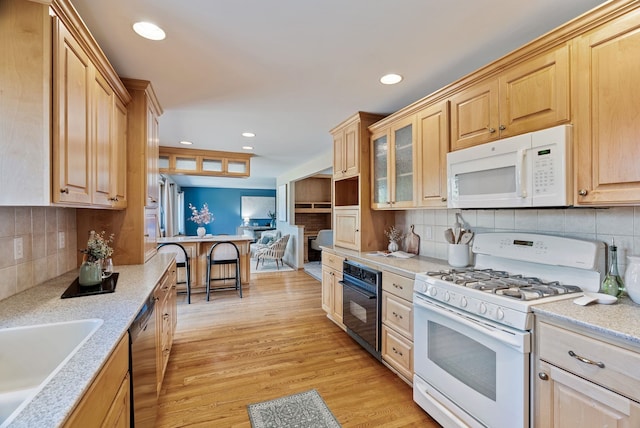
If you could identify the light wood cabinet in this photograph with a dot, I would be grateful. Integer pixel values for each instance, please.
(356, 225)
(56, 116)
(606, 128)
(584, 381)
(393, 160)
(119, 156)
(210, 163)
(397, 324)
(530, 95)
(107, 401)
(331, 287)
(346, 151)
(432, 129)
(166, 319)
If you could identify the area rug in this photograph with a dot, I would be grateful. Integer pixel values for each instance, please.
(269, 266)
(303, 410)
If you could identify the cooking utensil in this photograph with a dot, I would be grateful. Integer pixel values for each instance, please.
(457, 230)
(448, 236)
(466, 237)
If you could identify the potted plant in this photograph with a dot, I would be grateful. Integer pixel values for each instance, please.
(201, 218)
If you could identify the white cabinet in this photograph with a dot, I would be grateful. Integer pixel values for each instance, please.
(584, 381)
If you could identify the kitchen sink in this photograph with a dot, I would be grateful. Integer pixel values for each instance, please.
(31, 356)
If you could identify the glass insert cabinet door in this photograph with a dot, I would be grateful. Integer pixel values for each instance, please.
(403, 164)
(381, 194)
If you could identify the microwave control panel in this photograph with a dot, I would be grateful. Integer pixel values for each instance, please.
(544, 174)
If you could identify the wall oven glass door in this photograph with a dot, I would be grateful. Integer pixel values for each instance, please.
(360, 314)
(481, 368)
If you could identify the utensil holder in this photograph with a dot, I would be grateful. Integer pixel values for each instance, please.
(458, 255)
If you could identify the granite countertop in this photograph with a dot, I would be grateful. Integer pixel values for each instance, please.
(42, 304)
(405, 267)
(620, 321)
(206, 238)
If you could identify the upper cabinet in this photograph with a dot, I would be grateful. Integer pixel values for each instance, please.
(432, 130)
(210, 163)
(606, 125)
(529, 95)
(346, 151)
(393, 160)
(60, 130)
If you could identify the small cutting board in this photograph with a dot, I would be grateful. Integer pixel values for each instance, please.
(413, 242)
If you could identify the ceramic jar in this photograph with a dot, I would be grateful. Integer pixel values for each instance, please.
(393, 246)
(90, 273)
(201, 231)
(632, 278)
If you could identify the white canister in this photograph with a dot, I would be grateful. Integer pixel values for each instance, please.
(458, 255)
(632, 278)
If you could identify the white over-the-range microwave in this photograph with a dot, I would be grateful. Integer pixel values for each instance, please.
(528, 170)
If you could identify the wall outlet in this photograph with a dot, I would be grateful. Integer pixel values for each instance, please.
(18, 250)
(61, 242)
(428, 233)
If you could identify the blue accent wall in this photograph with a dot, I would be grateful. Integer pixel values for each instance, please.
(224, 205)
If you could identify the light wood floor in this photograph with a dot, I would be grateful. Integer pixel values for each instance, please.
(275, 341)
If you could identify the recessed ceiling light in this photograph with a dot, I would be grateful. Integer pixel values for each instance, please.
(149, 31)
(247, 147)
(390, 79)
(248, 134)
(186, 143)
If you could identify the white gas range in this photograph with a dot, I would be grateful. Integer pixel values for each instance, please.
(473, 325)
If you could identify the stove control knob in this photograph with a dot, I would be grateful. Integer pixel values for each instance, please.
(499, 314)
(424, 287)
(447, 296)
(482, 308)
(463, 302)
(433, 291)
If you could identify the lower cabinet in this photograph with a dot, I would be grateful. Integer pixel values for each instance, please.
(331, 287)
(582, 381)
(166, 319)
(107, 402)
(397, 324)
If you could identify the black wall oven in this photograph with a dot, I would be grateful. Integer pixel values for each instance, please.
(361, 292)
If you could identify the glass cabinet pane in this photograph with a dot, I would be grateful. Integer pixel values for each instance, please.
(403, 164)
(186, 164)
(214, 165)
(237, 167)
(163, 162)
(380, 178)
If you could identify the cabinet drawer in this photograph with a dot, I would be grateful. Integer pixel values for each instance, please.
(398, 314)
(332, 261)
(397, 351)
(401, 286)
(621, 370)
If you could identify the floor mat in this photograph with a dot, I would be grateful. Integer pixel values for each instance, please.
(306, 409)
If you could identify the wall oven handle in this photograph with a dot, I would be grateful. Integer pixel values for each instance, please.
(358, 290)
(521, 171)
(500, 335)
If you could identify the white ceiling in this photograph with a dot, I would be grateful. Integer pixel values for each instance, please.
(290, 70)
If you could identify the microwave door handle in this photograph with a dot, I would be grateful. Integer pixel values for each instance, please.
(521, 173)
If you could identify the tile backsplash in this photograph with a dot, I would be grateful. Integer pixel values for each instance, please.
(601, 224)
(49, 247)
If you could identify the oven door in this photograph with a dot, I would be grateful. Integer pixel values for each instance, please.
(360, 316)
(478, 371)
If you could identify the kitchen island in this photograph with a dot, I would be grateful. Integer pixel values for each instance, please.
(42, 304)
(197, 248)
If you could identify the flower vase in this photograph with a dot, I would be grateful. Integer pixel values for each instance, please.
(90, 273)
(632, 278)
(201, 231)
(393, 246)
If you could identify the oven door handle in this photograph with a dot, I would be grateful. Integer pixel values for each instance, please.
(358, 290)
(500, 335)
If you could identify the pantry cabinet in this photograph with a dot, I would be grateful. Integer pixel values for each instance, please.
(397, 324)
(583, 380)
(58, 126)
(393, 162)
(529, 95)
(606, 128)
(331, 287)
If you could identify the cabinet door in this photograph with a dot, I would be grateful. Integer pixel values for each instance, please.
(397, 351)
(119, 415)
(337, 297)
(380, 176)
(338, 155)
(535, 94)
(351, 150)
(119, 155)
(327, 289)
(72, 72)
(563, 400)
(153, 153)
(103, 162)
(432, 147)
(607, 125)
(403, 164)
(474, 115)
(347, 228)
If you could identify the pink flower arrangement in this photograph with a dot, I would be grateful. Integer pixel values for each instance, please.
(200, 217)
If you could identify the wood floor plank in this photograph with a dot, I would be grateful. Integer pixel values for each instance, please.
(275, 341)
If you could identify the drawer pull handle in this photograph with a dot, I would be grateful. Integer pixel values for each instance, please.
(395, 314)
(396, 351)
(398, 286)
(586, 360)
